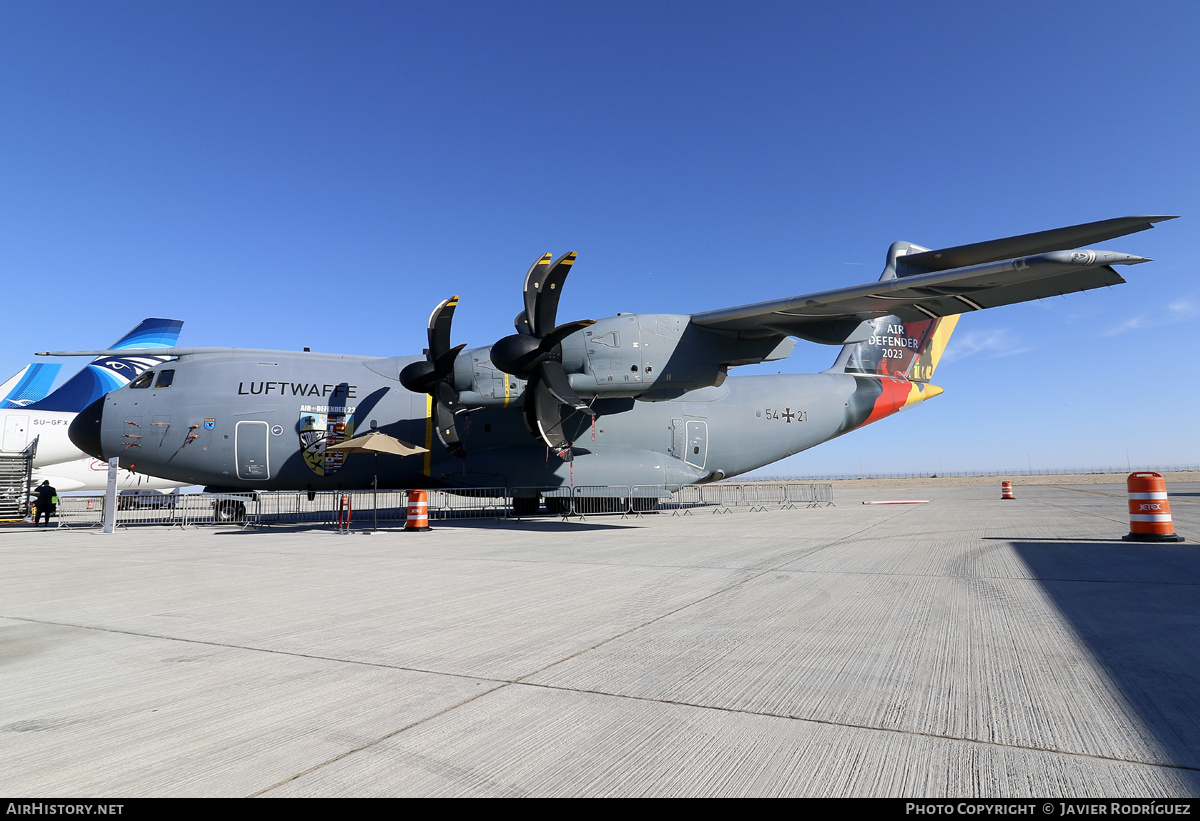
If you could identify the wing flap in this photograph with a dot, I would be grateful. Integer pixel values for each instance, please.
(993, 297)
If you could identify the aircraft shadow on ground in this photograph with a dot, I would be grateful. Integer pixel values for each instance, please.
(1136, 606)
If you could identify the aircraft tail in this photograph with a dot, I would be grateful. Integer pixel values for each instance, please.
(28, 385)
(897, 348)
(890, 346)
(106, 373)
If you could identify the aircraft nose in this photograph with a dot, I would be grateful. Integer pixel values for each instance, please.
(85, 429)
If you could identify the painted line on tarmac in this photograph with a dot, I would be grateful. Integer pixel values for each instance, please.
(1122, 495)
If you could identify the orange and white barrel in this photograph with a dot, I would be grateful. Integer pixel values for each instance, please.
(1006, 490)
(1149, 510)
(418, 511)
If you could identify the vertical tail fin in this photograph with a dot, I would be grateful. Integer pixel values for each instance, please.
(897, 348)
(910, 350)
(28, 385)
(106, 373)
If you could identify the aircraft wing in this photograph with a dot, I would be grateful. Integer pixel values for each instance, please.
(931, 284)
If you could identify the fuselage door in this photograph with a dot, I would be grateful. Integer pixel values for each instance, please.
(250, 450)
(16, 431)
(697, 444)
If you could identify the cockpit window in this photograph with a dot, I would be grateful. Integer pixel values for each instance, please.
(143, 381)
(165, 378)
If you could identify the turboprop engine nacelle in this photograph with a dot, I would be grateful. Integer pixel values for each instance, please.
(653, 356)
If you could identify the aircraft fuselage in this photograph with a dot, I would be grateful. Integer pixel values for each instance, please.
(264, 422)
(20, 427)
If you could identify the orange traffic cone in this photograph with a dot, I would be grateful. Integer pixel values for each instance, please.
(1149, 510)
(1006, 490)
(418, 511)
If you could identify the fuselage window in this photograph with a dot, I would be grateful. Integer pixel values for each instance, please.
(165, 378)
(143, 381)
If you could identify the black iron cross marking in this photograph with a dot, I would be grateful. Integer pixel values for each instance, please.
(788, 415)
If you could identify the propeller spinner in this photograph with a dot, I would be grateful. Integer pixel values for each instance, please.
(435, 376)
(534, 353)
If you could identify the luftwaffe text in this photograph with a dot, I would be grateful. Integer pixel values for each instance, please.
(296, 389)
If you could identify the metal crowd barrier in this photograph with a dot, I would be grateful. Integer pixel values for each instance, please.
(79, 511)
(469, 503)
(362, 506)
(636, 500)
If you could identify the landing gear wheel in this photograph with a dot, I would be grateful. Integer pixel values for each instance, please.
(230, 511)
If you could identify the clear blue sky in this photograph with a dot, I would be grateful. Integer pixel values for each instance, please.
(249, 167)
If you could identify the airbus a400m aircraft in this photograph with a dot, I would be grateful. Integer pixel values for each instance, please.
(635, 399)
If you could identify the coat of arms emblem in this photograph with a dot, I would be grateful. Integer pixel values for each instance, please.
(320, 427)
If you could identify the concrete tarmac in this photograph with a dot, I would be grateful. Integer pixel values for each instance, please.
(967, 647)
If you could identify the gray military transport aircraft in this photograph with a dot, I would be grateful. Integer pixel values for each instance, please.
(635, 399)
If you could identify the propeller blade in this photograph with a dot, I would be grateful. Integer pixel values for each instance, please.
(521, 323)
(443, 365)
(541, 416)
(546, 304)
(435, 376)
(534, 353)
(529, 409)
(445, 395)
(446, 430)
(533, 285)
(555, 337)
(555, 380)
(439, 327)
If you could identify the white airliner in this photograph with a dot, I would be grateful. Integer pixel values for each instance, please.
(28, 413)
